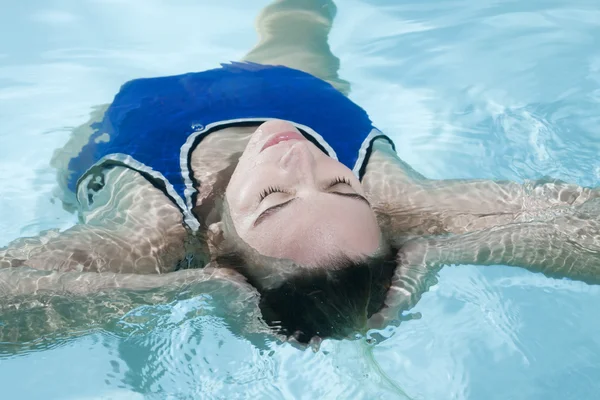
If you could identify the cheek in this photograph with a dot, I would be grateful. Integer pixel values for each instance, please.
(239, 192)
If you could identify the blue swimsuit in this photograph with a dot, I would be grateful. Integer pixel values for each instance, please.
(154, 124)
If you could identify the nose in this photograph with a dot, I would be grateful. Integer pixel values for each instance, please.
(299, 160)
(276, 125)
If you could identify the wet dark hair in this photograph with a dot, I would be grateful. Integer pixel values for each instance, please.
(331, 300)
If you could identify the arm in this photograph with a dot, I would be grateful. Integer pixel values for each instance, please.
(131, 227)
(566, 247)
(44, 304)
(294, 33)
(409, 204)
(22, 281)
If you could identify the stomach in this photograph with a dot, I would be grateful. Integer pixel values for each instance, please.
(489, 89)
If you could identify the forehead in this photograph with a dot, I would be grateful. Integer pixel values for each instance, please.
(307, 231)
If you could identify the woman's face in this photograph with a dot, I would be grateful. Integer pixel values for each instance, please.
(288, 199)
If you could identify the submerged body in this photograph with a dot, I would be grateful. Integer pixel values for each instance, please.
(132, 226)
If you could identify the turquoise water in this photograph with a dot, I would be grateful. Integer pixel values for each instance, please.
(467, 89)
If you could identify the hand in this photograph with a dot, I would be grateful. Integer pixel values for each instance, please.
(414, 275)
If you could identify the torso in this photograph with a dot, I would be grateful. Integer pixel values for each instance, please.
(177, 126)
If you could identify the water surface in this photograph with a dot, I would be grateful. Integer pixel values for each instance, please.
(467, 89)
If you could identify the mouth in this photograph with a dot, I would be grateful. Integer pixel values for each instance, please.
(282, 137)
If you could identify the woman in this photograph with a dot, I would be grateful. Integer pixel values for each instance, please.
(266, 172)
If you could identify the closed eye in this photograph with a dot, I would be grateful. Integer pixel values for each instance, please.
(270, 190)
(340, 180)
(337, 181)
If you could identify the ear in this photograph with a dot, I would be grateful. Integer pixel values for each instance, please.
(216, 237)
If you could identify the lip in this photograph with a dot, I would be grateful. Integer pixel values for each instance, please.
(282, 137)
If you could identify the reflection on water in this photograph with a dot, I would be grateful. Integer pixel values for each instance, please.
(488, 89)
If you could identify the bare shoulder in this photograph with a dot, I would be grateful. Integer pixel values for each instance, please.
(128, 226)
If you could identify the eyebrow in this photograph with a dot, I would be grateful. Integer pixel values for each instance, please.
(272, 210)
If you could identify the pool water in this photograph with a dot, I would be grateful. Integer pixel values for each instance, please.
(467, 89)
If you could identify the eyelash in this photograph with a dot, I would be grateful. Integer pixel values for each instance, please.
(269, 190)
(277, 189)
(340, 179)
